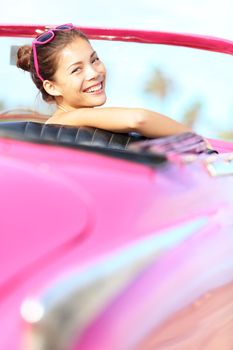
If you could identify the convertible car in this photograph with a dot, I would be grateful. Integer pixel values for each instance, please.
(113, 241)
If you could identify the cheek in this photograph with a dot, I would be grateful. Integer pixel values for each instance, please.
(75, 84)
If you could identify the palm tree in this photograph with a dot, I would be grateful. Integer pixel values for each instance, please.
(160, 85)
(192, 113)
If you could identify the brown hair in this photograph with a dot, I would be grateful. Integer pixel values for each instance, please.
(48, 57)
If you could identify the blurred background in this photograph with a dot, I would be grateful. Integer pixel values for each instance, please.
(192, 86)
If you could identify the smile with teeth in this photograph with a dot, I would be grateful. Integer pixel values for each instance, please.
(96, 88)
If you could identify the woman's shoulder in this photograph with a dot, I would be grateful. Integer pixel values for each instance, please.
(55, 118)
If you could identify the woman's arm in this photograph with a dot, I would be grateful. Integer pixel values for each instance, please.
(145, 122)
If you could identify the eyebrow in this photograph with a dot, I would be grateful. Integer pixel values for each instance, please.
(79, 62)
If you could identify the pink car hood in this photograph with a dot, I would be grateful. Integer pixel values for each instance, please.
(65, 209)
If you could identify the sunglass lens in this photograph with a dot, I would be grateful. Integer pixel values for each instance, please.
(62, 27)
(44, 37)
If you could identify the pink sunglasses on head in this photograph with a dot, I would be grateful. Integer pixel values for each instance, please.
(45, 38)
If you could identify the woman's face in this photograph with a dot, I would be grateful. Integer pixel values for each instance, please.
(80, 77)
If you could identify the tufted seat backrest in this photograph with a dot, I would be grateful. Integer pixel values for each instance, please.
(68, 135)
(90, 139)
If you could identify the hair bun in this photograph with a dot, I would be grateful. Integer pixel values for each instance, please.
(23, 57)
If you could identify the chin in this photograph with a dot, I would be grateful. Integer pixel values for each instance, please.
(101, 102)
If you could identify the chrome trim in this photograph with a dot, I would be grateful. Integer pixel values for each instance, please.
(219, 165)
(64, 310)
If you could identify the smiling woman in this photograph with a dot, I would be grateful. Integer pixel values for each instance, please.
(73, 89)
(68, 72)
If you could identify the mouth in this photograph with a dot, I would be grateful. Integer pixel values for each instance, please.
(95, 89)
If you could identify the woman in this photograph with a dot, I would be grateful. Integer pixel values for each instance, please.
(69, 73)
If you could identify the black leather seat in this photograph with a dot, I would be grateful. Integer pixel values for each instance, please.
(114, 144)
(69, 135)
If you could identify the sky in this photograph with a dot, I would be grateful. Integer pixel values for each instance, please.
(199, 16)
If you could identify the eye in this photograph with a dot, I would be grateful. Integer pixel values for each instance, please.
(76, 70)
(96, 59)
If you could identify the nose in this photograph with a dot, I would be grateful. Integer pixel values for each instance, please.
(91, 72)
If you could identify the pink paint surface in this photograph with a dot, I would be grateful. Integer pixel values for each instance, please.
(63, 208)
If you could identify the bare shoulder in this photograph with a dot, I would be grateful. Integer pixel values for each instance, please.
(77, 117)
(56, 119)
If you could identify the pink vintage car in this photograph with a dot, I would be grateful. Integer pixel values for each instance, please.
(110, 241)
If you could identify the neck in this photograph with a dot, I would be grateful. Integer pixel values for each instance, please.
(62, 108)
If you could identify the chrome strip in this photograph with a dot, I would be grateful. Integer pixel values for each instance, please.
(66, 309)
(220, 165)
